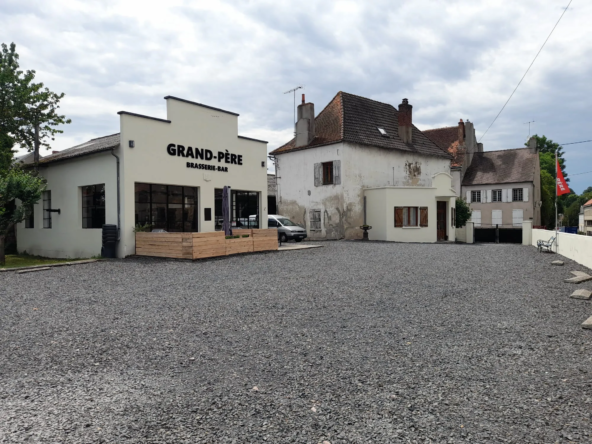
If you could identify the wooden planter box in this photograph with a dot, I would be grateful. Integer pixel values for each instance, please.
(209, 245)
(204, 245)
(265, 240)
(175, 245)
(241, 244)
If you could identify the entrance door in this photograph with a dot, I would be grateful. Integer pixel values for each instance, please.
(441, 221)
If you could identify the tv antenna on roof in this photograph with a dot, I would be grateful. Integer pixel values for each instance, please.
(528, 123)
(294, 91)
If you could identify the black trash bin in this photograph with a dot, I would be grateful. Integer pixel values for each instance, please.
(109, 241)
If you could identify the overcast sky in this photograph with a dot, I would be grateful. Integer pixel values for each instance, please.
(452, 59)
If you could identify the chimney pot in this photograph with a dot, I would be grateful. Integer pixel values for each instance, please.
(303, 100)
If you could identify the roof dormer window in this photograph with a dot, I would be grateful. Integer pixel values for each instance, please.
(382, 132)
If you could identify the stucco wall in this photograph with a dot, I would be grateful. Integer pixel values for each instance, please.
(198, 127)
(67, 238)
(572, 246)
(342, 205)
(506, 207)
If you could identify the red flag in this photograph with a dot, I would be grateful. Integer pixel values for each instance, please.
(562, 187)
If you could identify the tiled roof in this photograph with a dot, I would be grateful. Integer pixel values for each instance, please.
(506, 166)
(447, 139)
(355, 119)
(587, 204)
(92, 146)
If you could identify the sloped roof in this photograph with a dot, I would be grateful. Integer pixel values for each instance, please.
(505, 166)
(589, 203)
(97, 145)
(355, 119)
(447, 139)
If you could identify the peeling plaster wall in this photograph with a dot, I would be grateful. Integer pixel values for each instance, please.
(342, 206)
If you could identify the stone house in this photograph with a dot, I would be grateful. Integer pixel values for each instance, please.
(356, 150)
(502, 187)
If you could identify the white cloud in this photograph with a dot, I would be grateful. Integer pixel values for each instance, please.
(454, 59)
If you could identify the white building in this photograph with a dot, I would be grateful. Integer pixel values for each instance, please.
(168, 173)
(359, 148)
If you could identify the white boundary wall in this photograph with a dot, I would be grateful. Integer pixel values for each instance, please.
(572, 246)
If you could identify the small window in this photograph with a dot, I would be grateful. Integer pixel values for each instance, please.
(46, 207)
(475, 196)
(30, 217)
(315, 220)
(517, 195)
(411, 217)
(496, 195)
(93, 206)
(327, 173)
(382, 132)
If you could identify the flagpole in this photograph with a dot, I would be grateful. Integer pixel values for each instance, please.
(556, 217)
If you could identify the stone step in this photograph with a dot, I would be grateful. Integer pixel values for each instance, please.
(557, 263)
(587, 323)
(579, 273)
(581, 294)
(578, 279)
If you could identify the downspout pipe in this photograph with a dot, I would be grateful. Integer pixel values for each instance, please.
(118, 198)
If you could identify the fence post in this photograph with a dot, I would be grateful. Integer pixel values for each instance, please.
(527, 232)
(470, 233)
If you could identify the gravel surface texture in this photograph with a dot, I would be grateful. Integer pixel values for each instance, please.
(350, 343)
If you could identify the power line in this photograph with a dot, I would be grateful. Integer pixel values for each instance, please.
(573, 143)
(577, 174)
(528, 69)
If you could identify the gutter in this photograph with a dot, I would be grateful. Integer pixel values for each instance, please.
(118, 197)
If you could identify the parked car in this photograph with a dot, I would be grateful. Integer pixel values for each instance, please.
(287, 229)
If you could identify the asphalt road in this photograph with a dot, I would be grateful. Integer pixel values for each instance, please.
(350, 343)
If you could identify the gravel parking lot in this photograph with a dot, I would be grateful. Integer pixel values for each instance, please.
(350, 343)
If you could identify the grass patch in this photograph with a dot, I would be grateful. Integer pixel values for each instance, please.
(25, 260)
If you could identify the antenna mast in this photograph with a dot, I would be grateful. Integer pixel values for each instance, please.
(528, 123)
(294, 91)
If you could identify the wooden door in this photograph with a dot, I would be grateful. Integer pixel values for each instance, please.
(441, 221)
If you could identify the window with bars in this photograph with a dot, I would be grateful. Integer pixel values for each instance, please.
(496, 195)
(93, 206)
(46, 206)
(166, 207)
(30, 217)
(315, 220)
(517, 195)
(476, 196)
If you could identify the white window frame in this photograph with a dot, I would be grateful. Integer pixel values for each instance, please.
(517, 192)
(496, 195)
(476, 196)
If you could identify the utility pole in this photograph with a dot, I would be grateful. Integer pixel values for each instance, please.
(294, 91)
(36, 153)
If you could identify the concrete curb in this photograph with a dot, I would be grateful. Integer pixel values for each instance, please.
(46, 267)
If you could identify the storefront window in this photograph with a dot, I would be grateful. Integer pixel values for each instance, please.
(93, 206)
(166, 207)
(244, 209)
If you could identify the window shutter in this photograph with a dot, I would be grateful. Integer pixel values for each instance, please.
(337, 172)
(398, 217)
(525, 194)
(489, 199)
(423, 216)
(468, 197)
(318, 174)
(504, 195)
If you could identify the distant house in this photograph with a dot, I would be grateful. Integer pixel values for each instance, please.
(360, 150)
(503, 187)
(588, 218)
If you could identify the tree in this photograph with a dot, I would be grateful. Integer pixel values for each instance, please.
(26, 108)
(463, 212)
(547, 146)
(548, 200)
(587, 191)
(21, 185)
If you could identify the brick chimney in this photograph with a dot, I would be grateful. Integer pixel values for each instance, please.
(405, 122)
(305, 125)
(461, 132)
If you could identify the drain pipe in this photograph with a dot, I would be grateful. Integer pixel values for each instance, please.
(118, 200)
